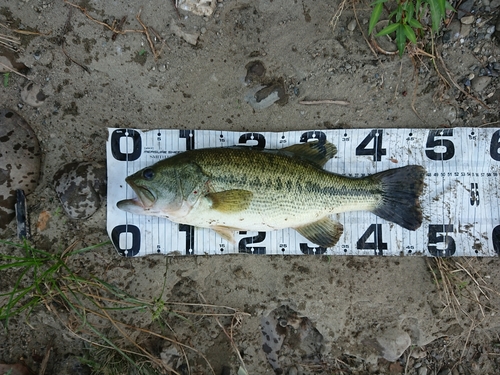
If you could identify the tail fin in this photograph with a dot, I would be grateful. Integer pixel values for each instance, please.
(401, 189)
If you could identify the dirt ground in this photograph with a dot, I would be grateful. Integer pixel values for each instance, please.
(349, 315)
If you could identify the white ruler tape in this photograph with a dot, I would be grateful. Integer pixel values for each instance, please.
(460, 201)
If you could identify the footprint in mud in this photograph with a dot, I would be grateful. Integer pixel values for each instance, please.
(81, 188)
(290, 340)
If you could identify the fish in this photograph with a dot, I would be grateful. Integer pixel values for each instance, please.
(242, 188)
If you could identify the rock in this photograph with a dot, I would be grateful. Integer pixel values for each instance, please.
(465, 8)
(32, 94)
(479, 83)
(191, 38)
(453, 32)
(19, 162)
(467, 20)
(422, 370)
(465, 30)
(261, 97)
(385, 42)
(393, 343)
(497, 28)
(352, 25)
(198, 7)
(494, 98)
(81, 188)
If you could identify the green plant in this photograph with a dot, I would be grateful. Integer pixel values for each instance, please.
(6, 79)
(404, 20)
(97, 311)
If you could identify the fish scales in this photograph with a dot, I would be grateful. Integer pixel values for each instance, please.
(241, 188)
(297, 187)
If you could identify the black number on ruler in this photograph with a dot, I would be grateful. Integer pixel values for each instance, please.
(495, 146)
(378, 245)
(189, 237)
(130, 135)
(251, 138)
(495, 237)
(377, 151)
(474, 194)
(318, 250)
(132, 247)
(189, 135)
(246, 244)
(313, 135)
(436, 237)
(432, 143)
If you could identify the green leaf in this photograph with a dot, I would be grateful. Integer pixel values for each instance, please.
(401, 39)
(435, 15)
(442, 7)
(378, 2)
(399, 14)
(389, 29)
(409, 12)
(415, 24)
(417, 7)
(410, 34)
(6, 79)
(377, 11)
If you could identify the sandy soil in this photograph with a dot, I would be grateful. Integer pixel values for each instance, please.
(343, 314)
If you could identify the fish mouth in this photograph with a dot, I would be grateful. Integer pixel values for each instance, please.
(146, 197)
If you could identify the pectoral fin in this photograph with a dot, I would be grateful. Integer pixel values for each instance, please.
(325, 232)
(230, 201)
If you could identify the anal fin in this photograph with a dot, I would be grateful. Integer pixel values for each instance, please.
(325, 232)
(225, 232)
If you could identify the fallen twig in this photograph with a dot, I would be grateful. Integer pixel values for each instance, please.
(156, 54)
(117, 27)
(13, 71)
(324, 101)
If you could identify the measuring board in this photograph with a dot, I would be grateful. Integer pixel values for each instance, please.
(460, 202)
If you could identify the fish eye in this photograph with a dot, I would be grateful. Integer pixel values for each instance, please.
(148, 174)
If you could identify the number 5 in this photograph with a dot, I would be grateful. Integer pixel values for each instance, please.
(435, 238)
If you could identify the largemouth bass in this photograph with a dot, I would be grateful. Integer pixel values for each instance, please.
(240, 188)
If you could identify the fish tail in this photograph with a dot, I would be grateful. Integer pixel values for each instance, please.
(401, 189)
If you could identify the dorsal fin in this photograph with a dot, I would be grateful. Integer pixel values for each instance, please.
(317, 152)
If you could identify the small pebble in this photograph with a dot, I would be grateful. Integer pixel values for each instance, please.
(467, 20)
(352, 25)
(480, 83)
(422, 370)
(464, 31)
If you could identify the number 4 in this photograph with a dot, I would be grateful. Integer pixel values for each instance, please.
(377, 151)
